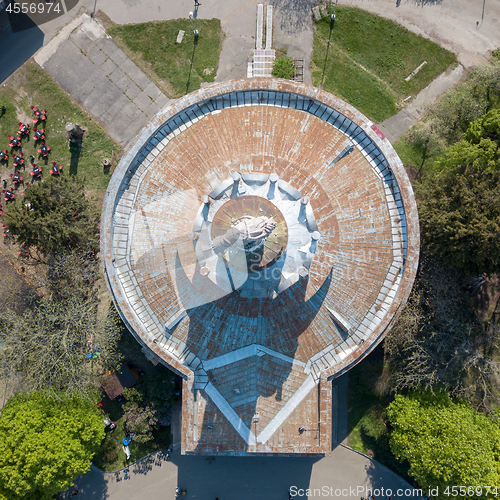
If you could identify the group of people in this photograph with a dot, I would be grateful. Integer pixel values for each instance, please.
(40, 115)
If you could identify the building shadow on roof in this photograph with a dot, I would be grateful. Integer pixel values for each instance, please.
(248, 349)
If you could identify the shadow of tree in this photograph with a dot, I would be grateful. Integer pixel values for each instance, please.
(381, 479)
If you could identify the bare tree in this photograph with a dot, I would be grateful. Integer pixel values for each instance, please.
(438, 341)
(61, 345)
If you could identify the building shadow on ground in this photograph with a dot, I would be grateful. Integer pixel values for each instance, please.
(90, 485)
(17, 45)
(244, 478)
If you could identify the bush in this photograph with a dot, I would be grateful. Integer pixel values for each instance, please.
(55, 215)
(284, 67)
(461, 106)
(110, 449)
(373, 422)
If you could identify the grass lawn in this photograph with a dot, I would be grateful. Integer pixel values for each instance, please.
(181, 67)
(31, 85)
(369, 59)
(415, 155)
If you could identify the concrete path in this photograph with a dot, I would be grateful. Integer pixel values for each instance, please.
(396, 126)
(101, 78)
(469, 29)
(246, 478)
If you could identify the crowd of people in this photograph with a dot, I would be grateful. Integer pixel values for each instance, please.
(17, 154)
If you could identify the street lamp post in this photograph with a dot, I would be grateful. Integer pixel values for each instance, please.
(196, 32)
(332, 22)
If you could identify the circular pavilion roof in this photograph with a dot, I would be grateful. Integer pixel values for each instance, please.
(335, 265)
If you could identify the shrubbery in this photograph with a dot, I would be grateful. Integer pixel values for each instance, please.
(284, 67)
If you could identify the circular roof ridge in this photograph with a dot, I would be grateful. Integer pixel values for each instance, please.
(317, 146)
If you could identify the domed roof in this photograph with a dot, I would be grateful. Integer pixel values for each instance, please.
(258, 238)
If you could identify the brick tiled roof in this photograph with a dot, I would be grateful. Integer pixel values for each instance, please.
(256, 359)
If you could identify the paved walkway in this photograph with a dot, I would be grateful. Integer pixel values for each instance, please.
(101, 78)
(245, 478)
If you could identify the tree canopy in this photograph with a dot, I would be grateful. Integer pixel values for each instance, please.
(155, 390)
(459, 205)
(446, 442)
(55, 214)
(60, 345)
(438, 340)
(46, 441)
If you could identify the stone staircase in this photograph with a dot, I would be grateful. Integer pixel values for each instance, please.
(264, 55)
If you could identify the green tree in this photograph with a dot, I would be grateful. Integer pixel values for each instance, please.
(459, 205)
(55, 214)
(446, 443)
(461, 106)
(46, 441)
(284, 67)
(70, 275)
(140, 421)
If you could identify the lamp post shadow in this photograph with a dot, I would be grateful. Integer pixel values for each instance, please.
(332, 22)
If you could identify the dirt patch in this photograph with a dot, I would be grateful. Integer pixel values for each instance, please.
(413, 174)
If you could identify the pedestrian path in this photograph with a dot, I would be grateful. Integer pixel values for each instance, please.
(263, 54)
(346, 474)
(396, 126)
(88, 65)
